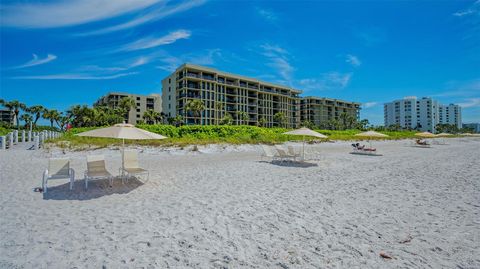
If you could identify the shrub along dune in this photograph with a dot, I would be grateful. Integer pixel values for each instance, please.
(202, 135)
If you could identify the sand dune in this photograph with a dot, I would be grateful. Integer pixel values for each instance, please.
(225, 208)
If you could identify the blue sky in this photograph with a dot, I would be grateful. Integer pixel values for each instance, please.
(60, 53)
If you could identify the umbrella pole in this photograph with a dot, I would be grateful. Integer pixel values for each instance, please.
(123, 157)
(303, 153)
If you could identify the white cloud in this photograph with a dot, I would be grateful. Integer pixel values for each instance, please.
(353, 60)
(470, 102)
(473, 9)
(369, 104)
(151, 42)
(205, 57)
(67, 13)
(140, 61)
(278, 59)
(326, 81)
(36, 61)
(268, 15)
(154, 15)
(75, 76)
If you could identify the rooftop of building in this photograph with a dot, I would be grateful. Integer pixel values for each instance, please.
(236, 76)
(126, 93)
(329, 99)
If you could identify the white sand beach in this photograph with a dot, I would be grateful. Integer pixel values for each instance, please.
(225, 208)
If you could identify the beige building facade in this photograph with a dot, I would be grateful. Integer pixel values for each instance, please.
(248, 101)
(318, 110)
(142, 104)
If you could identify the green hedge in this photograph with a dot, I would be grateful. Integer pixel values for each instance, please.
(197, 134)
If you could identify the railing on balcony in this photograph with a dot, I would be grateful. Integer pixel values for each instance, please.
(193, 75)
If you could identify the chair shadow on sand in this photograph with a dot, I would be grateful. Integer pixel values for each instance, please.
(291, 164)
(96, 189)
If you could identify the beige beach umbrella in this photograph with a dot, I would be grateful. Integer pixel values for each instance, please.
(122, 131)
(425, 135)
(305, 132)
(371, 134)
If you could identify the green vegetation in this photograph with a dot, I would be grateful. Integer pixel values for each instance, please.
(213, 134)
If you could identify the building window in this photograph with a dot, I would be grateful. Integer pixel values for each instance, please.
(138, 98)
(169, 80)
(169, 89)
(138, 109)
(169, 97)
(169, 106)
(138, 115)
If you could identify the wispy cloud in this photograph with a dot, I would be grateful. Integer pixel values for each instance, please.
(75, 76)
(205, 57)
(369, 104)
(37, 61)
(67, 13)
(353, 60)
(473, 9)
(469, 88)
(470, 102)
(370, 36)
(268, 15)
(152, 42)
(279, 59)
(139, 62)
(163, 10)
(326, 81)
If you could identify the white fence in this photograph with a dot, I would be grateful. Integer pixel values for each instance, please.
(38, 138)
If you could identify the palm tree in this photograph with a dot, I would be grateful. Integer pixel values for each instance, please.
(227, 119)
(37, 111)
(150, 116)
(63, 120)
(178, 120)
(280, 118)
(242, 117)
(218, 107)
(196, 107)
(27, 118)
(15, 107)
(125, 105)
(52, 115)
(262, 121)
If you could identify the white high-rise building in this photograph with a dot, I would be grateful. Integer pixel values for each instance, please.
(421, 114)
(451, 114)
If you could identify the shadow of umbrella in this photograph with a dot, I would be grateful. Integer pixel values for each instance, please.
(100, 188)
(292, 164)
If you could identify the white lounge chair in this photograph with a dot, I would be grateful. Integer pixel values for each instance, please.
(130, 165)
(283, 155)
(58, 168)
(96, 169)
(268, 153)
(291, 152)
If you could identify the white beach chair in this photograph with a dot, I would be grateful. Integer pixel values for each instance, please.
(96, 169)
(268, 153)
(283, 155)
(58, 168)
(291, 152)
(130, 165)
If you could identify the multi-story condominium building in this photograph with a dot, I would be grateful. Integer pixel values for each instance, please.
(6, 115)
(318, 110)
(247, 100)
(450, 114)
(422, 114)
(474, 126)
(142, 104)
